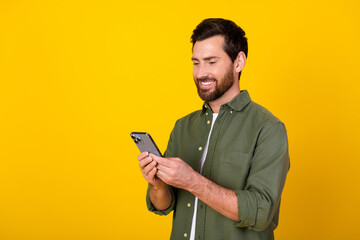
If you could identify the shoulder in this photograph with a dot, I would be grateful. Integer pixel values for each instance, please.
(260, 114)
(268, 128)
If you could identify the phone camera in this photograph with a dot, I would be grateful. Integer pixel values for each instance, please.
(136, 139)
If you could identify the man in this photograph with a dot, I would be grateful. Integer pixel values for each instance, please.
(225, 165)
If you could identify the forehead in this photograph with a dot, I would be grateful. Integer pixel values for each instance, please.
(212, 46)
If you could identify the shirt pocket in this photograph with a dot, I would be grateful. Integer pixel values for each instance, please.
(233, 169)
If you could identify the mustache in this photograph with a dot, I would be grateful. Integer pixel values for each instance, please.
(205, 79)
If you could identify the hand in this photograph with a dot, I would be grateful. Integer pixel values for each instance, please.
(148, 169)
(174, 172)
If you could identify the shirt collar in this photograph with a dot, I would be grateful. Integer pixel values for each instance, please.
(237, 103)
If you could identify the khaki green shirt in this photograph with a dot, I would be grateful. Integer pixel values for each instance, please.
(248, 153)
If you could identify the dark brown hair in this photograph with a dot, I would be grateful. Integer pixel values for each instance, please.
(234, 36)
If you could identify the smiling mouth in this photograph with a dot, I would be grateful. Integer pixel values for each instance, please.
(206, 84)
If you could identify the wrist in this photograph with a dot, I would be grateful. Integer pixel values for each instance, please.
(195, 183)
(159, 187)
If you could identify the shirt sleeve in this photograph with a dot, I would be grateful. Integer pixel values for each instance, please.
(150, 206)
(260, 199)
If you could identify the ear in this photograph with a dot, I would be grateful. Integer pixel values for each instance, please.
(239, 62)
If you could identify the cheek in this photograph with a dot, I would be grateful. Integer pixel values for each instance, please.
(195, 73)
(216, 73)
(221, 73)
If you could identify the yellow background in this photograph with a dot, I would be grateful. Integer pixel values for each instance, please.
(78, 76)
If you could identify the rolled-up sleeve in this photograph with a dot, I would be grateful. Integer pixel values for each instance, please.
(260, 199)
(151, 207)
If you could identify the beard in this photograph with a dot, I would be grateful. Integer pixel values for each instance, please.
(221, 87)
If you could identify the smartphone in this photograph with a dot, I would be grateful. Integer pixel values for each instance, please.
(145, 142)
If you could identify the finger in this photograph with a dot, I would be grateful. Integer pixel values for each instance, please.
(145, 162)
(163, 168)
(142, 155)
(161, 175)
(161, 161)
(152, 173)
(149, 167)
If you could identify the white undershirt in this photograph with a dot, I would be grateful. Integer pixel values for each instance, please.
(203, 157)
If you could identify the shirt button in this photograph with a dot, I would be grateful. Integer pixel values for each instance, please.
(188, 205)
(230, 111)
(206, 114)
(185, 234)
(200, 148)
(208, 122)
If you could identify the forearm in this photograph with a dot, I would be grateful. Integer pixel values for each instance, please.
(160, 197)
(220, 199)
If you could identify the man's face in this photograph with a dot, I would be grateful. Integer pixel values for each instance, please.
(212, 68)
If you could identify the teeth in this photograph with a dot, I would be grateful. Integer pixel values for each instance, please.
(206, 83)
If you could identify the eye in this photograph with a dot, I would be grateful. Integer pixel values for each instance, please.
(212, 62)
(195, 63)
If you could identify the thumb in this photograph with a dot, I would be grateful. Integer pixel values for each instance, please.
(154, 157)
(159, 160)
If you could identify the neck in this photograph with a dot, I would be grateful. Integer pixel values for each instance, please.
(227, 97)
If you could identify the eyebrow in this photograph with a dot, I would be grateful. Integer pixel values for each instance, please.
(206, 59)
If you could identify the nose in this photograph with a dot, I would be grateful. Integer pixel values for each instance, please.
(200, 71)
